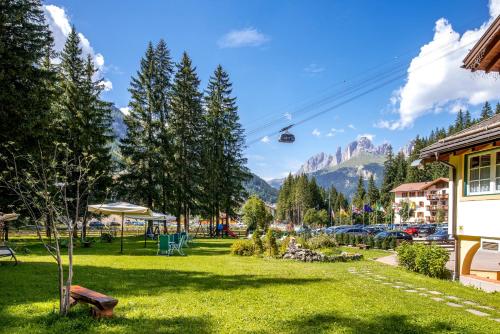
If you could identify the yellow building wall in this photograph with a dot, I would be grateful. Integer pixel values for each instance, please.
(477, 215)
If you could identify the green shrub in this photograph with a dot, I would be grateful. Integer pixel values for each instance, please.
(392, 243)
(357, 239)
(257, 242)
(352, 239)
(242, 247)
(406, 255)
(284, 245)
(378, 243)
(427, 260)
(371, 241)
(106, 237)
(271, 245)
(385, 243)
(322, 241)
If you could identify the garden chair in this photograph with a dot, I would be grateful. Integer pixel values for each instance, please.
(177, 246)
(6, 251)
(164, 242)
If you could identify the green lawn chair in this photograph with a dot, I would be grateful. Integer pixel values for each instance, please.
(186, 238)
(164, 242)
(177, 245)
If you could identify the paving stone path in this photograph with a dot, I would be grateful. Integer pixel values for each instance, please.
(437, 296)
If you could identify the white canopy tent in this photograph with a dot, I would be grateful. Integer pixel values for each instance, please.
(123, 209)
(6, 217)
(154, 216)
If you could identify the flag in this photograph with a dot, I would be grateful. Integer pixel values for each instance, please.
(355, 210)
(367, 208)
(343, 213)
(379, 208)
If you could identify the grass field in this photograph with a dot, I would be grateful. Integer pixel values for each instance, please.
(211, 291)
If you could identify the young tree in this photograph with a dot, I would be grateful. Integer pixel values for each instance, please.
(255, 214)
(185, 129)
(497, 108)
(41, 187)
(405, 212)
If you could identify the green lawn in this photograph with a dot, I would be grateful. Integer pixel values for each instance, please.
(211, 291)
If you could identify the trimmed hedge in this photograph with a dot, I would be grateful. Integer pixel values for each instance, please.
(428, 260)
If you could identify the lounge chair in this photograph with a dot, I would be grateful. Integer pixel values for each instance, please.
(6, 251)
(164, 245)
(177, 245)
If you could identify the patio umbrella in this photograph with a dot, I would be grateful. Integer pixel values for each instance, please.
(122, 208)
(154, 216)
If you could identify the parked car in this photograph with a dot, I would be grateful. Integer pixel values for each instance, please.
(96, 224)
(439, 235)
(399, 235)
(373, 230)
(412, 230)
(357, 231)
(426, 230)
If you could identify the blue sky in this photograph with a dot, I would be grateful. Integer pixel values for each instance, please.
(283, 54)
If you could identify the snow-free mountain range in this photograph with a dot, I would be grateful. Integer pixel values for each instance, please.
(341, 168)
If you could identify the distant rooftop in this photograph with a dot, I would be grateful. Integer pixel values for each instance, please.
(417, 186)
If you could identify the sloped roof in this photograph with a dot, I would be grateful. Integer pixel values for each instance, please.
(417, 186)
(484, 55)
(483, 132)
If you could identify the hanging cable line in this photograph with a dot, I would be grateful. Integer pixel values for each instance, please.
(378, 85)
(352, 86)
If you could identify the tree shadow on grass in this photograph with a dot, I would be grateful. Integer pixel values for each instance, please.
(35, 281)
(392, 323)
(80, 321)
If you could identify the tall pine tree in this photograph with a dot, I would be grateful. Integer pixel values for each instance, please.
(26, 80)
(186, 129)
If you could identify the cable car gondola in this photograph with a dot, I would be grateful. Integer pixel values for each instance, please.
(286, 137)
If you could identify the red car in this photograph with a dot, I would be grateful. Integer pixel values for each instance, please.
(412, 230)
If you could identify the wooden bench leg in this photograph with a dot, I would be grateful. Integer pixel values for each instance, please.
(97, 313)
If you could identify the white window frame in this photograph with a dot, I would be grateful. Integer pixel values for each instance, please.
(494, 164)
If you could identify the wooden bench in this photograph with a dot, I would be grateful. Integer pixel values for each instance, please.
(103, 305)
(363, 246)
(6, 251)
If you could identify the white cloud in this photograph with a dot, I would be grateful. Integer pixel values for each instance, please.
(334, 131)
(314, 69)
(351, 126)
(288, 116)
(366, 135)
(265, 139)
(60, 26)
(435, 80)
(316, 133)
(125, 110)
(494, 8)
(243, 38)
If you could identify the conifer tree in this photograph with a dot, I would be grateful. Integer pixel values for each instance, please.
(225, 170)
(185, 128)
(467, 119)
(146, 148)
(497, 108)
(83, 119)
(26, 79)
(359, 197)
(372, 194)
(486, 112)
